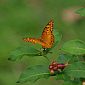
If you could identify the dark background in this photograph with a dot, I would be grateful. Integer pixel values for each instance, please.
(22, 18)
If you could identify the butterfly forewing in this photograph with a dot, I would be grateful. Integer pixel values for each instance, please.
(47, 35)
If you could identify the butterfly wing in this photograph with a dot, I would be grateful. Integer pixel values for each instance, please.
(34, 41)
(47, 35)
(47, 38)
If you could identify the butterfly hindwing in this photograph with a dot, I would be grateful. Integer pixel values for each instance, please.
(34, 41)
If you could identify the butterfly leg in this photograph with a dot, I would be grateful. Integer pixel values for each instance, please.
(44, 49)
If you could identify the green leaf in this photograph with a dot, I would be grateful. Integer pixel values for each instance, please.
(34, 73)
(67, 58)
(76, 70)
(75, 47)
(19, 52)
(64, 58)
(57, 37)
(72, 83)
(62, 76)
(81, 11)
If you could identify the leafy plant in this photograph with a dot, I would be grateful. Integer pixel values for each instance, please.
(34, 73)
(81, 11)
(75, 47)
(69, 66)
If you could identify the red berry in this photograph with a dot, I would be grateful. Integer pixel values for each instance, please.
(55, 68)
(61, 66)
(51, 71)
(54, 63)
(50, 67)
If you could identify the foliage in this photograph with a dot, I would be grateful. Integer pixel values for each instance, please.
(63, 58)
(81, 11)
(75, 47)
(76, 70)
(34, 73)
(19, 52)
(72, 82)
(70, 54)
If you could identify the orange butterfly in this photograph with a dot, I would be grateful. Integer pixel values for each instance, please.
(47, 37)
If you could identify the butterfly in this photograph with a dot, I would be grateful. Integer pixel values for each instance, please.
(47, 38)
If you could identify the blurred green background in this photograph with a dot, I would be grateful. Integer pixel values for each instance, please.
(22, 18)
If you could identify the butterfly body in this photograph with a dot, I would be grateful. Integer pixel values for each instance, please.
(47, 37)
